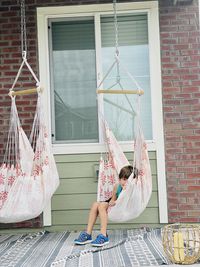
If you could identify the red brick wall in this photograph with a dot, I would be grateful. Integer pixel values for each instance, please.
(180, 55)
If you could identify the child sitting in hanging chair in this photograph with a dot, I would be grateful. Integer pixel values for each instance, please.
(100, 208)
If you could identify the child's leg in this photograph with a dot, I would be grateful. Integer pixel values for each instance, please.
(92, 217)
(103, 216)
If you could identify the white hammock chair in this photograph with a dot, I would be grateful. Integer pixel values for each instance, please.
(133, 200)
(28, 175)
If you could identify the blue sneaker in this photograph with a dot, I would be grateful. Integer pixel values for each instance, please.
(100, 241)
(84, 238)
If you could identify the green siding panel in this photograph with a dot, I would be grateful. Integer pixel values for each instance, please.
(85, 169)
(93, 157)
(77, 186)
(77, 191)
(84, 201)
(150, 215)
(84, 185)
(75, 169)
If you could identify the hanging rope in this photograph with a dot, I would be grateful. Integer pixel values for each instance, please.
(116, 39)
(116, 64)
(24, 53)
(116, 27)
(23, 30)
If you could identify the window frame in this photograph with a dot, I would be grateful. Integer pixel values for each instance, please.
(157, 144)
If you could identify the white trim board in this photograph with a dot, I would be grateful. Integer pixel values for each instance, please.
(151, 7)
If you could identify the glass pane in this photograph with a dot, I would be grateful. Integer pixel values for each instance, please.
(74, 81)
(134, 58)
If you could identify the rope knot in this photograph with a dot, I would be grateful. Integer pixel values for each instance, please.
(24, 54)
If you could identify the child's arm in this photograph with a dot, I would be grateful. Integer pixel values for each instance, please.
(114, 197)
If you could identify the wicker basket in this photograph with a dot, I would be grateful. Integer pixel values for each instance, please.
(181, 242)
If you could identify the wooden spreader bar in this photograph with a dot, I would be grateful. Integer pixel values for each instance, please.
(126, 92)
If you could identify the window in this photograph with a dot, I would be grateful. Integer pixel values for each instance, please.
(74, 56)
(76, 48)
(74, 113)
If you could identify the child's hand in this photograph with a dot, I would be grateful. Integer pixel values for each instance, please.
(112, 203)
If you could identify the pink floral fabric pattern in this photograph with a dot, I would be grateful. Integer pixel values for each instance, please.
(108, 177)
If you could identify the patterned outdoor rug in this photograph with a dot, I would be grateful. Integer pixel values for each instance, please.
(140, 247)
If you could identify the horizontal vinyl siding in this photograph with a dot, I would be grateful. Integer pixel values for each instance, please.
(77, 191)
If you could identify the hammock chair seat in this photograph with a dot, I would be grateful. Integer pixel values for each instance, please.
(134, 198)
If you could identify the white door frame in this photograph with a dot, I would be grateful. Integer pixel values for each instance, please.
(43, 14)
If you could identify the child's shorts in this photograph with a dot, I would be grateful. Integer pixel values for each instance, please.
(108, 200)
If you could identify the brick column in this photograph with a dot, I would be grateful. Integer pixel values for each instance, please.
(180, 56)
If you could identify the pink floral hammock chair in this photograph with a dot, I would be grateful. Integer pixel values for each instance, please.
(133, 200)
(28, 175)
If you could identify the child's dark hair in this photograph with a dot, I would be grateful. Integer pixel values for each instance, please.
(125, 172)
